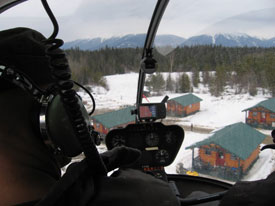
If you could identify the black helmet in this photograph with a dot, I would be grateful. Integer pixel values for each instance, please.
(24, 49)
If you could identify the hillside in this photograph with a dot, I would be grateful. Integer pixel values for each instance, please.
(137, 40)
(128, 41)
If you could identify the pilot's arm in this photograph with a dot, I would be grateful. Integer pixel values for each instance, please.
(79, 186)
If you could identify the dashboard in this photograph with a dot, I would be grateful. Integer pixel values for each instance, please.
(158, 143)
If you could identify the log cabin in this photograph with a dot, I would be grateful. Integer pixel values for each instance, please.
(228, 153)
(262, 115)
(183, 105)
(103, 123)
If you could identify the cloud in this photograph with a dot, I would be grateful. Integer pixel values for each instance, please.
(193, 17)
(110, 9)
(107, 18)
(259, 23)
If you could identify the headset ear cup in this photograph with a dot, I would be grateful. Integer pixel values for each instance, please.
(34, 118)
(60, 127)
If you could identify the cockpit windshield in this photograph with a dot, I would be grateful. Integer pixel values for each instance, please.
(215, 62)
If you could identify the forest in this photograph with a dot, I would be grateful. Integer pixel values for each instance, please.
(244, 69)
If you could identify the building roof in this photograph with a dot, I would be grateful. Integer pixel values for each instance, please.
(186, 100)
(238, 139)
(268, 104)
(115, 118)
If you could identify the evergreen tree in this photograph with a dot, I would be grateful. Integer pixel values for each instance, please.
(205, 77)
(156, 83)
(206, 74)
(218, 81)
(170, 83)
(269, 73)
(195, 77)
(231, 65)
(184, 84)
(252, 83)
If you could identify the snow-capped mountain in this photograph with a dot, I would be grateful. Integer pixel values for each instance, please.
(229, 40)
(128, 41)
(137, 40)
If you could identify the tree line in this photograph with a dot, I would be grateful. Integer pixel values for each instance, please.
(245, 69)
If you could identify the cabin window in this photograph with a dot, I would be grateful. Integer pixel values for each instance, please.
(190, 106)
(233, 157)
(254, 113)
(97, 125)
(272, 116)
(207, 151)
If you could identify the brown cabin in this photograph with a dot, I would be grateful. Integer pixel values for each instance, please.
(229, 153)
(103, 123)
(262, 115)
(183, 106)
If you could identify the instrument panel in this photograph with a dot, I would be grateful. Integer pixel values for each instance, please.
(158, 143)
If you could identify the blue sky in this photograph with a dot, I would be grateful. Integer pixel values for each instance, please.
(106, 18)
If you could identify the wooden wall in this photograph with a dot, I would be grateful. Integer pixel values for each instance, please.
(230, 160)
(211, 158)
(100, 128)
(245, 164)
(192, 108)
(258, 118)
(175, 109)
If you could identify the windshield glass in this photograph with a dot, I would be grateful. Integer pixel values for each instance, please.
(82, 19)
(215, 62)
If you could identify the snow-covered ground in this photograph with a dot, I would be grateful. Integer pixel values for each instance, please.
(216, 112)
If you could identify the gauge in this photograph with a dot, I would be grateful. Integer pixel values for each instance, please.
(170, 137)
(152, 139)
(162, 156)
(118, 140)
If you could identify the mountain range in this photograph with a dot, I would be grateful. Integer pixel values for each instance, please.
(137, 40)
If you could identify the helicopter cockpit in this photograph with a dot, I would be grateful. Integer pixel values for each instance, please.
(162, 130)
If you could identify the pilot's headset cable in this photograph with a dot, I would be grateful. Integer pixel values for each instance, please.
(64, 87)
